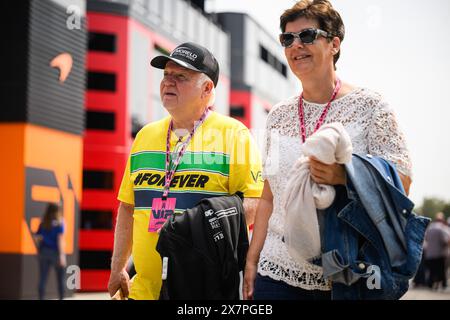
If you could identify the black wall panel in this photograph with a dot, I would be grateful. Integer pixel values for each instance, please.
(36, 31)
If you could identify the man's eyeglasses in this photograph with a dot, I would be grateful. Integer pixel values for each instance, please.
(306, 36)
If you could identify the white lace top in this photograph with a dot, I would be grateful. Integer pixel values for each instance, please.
(373, 129)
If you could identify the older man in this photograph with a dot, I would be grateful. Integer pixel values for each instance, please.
(194, 153)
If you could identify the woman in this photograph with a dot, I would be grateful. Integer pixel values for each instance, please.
(51, 248)
(312, 32)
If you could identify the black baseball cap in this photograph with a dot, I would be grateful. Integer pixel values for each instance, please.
(192, 56)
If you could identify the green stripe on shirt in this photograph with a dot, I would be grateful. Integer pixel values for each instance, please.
(206, 161)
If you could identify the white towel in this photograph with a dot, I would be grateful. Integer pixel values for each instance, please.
(330, 144)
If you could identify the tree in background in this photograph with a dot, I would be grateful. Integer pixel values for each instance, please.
(431, 206)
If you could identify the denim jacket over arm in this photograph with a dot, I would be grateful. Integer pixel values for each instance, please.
(371, 240)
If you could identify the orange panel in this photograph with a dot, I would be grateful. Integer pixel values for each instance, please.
(11, 190)
(42, 193)
(60, 154)
(28, 244)
(34, 224)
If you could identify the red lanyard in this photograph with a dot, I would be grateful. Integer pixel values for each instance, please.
(171, 173)
(322, 116)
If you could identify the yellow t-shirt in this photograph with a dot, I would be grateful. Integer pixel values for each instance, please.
(222, 158)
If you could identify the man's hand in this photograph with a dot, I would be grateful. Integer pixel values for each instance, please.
(123, 240)
(333, 174)
(119, 280)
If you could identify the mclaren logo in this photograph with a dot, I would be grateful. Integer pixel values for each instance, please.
(64, 63)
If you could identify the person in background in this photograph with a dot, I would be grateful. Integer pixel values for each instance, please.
(437, 241)
(50, 243)
(421, 277)
(447, 265)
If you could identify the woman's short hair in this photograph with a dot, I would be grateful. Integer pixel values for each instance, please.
(320, 10)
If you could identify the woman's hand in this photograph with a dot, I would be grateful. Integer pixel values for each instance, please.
(249, 280)
(333, 174)
(406, 181)
(263, 212)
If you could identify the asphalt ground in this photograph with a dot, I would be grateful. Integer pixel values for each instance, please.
(412, 294)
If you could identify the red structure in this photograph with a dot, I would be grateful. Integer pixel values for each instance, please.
(122, 95)
(106, 142)
(108, 138)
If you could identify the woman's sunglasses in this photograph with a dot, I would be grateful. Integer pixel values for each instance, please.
(306, 36)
